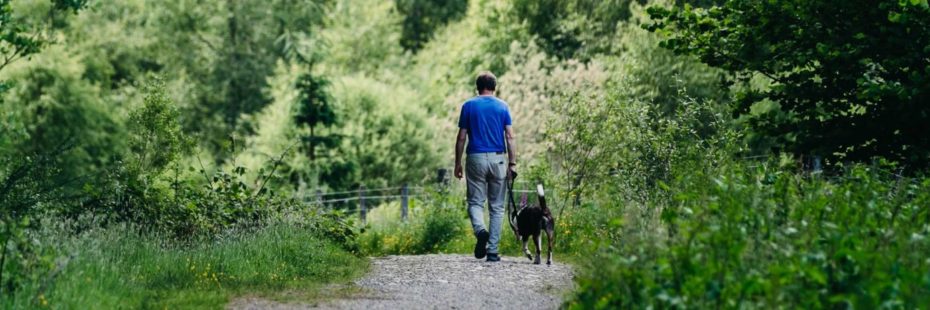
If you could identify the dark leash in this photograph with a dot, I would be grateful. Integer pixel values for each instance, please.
(513, 205)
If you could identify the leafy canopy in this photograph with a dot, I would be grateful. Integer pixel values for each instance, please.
(574, 28)
(423, 17)
(16, 39)
(848, 80)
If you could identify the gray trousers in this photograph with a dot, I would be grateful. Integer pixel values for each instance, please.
(485, 174)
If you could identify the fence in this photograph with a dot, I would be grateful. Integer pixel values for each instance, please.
(364, 197)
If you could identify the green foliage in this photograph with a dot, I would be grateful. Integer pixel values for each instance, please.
(765, 236)
(615, 142)
(118, 268)
(567, 29)
(362, 35)
(657, 75)
(673, 220)
(435, 224)
(383, 141)
(20, 39)
(275, 134)
(155, 136)
(423, 17)
(225, 52)
(51, 105)
(27, 183)
(443, 72)
(533, 81)
(260, 102)
(315, 111)
(847, 78)
(157, 194)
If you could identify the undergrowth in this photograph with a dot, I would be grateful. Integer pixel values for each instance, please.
(770, 237)
(118, 267)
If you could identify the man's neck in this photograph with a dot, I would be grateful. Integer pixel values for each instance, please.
(486, 93)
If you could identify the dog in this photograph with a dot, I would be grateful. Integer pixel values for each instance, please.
(530, 221)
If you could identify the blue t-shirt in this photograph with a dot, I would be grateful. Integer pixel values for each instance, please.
(485, 117)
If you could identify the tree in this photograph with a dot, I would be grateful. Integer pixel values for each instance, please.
(848, 80)
(227, 50)
(26, 178)
(423, 17)
(17, 39)
(155, 135)
(566, 28)
(315, 111)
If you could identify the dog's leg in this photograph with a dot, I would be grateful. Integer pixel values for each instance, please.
(538, 248)
(549, 234)
(526, 250)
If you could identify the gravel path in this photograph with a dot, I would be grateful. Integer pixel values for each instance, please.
(441, 281)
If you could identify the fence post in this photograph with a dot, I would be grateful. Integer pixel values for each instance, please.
(404, 197)
(319, 197)
(442, 176)
(818, 165)
(363, 212)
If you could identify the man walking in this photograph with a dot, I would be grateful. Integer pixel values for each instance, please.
(485, 123)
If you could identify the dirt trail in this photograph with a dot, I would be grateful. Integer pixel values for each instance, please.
(442, 281)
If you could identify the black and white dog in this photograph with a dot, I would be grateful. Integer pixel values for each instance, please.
(530, 221)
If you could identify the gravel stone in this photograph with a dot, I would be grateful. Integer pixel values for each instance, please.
(443, 281)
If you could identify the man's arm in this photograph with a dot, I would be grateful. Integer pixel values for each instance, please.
(511, 145)
(459, 149)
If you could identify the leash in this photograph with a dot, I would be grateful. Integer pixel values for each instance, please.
(513, 206)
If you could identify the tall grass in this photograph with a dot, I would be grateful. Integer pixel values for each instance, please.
(120, 268)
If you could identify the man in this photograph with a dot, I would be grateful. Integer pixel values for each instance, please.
(485, 123)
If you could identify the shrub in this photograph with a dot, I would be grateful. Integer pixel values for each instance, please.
(768, 237)
(435, 225)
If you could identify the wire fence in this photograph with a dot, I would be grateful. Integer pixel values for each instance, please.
(363, 199)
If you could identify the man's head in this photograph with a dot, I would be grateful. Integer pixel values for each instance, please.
(486, 82)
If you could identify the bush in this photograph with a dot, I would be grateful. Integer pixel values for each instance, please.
(766, 236)
(437, 226)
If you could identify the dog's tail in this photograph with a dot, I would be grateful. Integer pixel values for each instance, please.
(550, 221)
(542, 198)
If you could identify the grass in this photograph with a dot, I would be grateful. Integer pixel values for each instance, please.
(430, 228)
(441, 225)
(118, 268)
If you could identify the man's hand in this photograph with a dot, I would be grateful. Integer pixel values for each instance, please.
(512, 172)
(459, 148)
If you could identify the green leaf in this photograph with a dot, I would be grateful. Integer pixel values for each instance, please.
(894, 17)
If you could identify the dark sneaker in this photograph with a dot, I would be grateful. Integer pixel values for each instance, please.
(481, 248)
(493, 257)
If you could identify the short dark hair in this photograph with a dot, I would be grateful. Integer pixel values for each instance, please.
(486, 81)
